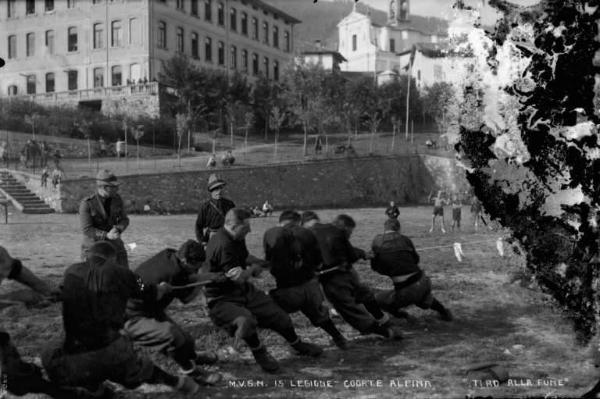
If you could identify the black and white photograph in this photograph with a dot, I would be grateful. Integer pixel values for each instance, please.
(312, 199)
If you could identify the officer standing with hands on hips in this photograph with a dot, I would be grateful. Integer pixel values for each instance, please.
(102, 217)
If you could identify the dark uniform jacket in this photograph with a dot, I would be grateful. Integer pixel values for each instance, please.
(336, 249)
(91, 319)
(223, 253)
(395, 255)
(162, 267)
(293, 253)
(211, 217)
(98, 217)
(392, 212)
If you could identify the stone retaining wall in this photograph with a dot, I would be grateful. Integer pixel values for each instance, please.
(350, 182)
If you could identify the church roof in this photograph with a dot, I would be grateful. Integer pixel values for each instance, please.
(425, 25)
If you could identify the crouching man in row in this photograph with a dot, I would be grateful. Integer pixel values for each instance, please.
(149, 325)
(235, 304)
(95, 295)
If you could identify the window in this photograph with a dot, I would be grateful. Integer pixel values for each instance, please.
(195, 44)
(208, 49)
(98, 77)
(30, 45)
(276, 37)
(233, 19)
(96, 1)
(254, 64)
(233, 63)
(135, 31)
(162, 35)
(354, 43)
(276, 70)
(116, 33)
(12, 90)
(254, 28)
(49, 5)
(10, 11)
(244, 24)
(208, 10)
(221, 53)
(180, 40)
(286, 38)
(72, 80)
(98, 36)
(404, 35)
(30, 8)
(70, 3)
(245, 60)
(116, 75)
(31, 83)
(179, 5)
(194, 8)
(135, 72)
(266, 66)
(72, 39)
(438, 73)
(50, 82)
(50, 41)
(265, 32)
(12, 46)
(392, 45)
(221, 14)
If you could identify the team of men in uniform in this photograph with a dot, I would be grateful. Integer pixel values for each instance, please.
(109, 309)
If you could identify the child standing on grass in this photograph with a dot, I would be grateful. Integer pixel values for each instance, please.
(456, 212)
(438, 210)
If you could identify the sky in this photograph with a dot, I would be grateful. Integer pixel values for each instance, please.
(442, 8)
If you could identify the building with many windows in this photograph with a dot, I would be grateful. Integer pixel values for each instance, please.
(108, 54)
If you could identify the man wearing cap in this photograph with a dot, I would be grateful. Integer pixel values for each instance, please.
(295, 257)
(353, 300)
(395, 256)
(102, 216)
(22, 377)
(149, 325)
(212, 212)
(95, 294)
(235, 304)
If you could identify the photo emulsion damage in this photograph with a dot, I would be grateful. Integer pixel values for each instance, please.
(295, 198)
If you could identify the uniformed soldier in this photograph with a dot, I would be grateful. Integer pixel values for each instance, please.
(353, 300)
(295, 257)
(102, 216)
(392, 211)
(235, 304)
(395, 256)
(95, 294)
(212, 212)
(22, 377)
(149, 325)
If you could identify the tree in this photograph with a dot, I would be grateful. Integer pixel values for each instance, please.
(85, 128)
(438, 103)
(276, 121)
(32, 119)
(248, 123)
(528, 145)
(183, 123)
(138, 133)
(264, 97)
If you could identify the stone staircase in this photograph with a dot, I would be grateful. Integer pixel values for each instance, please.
(21, 197)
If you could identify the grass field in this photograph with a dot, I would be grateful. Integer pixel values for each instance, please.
(495, 321)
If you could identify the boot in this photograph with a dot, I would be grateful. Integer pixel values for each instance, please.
(265, 360)
(206, 357)
(306, 349)
(187, 385)
(341, 342)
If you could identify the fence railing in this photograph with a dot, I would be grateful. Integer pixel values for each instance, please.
(150, 88)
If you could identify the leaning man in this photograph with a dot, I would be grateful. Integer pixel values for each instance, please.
(102, 217)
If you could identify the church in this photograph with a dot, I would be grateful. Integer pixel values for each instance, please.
(371, 40)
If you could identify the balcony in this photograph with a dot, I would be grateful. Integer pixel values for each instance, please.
(98, 93)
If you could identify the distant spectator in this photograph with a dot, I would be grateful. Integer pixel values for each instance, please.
(43, 153)
(140, 81)
(267, 208)
(456, 212)
(256, 212)
(45, 175)
(350, 150)
(102, 147)
(318, 145)
(4, 153)
(145, 80)
(212, 161)
(120, 148)
(57, 156)
(160, 209)
(228, 158)
(57, 176)
(147, 208)
(392, 211)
